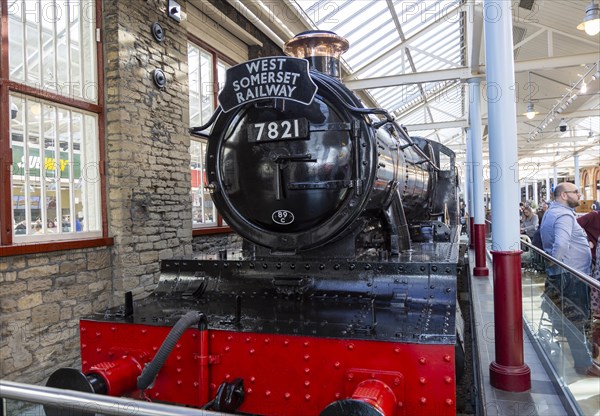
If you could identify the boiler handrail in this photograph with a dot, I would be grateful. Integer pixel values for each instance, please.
(107, 405)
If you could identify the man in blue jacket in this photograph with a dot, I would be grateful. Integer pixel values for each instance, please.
(564, 239)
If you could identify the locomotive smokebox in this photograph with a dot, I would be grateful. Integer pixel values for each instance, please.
(322, 49)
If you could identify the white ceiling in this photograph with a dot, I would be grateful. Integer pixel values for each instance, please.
(413, 58)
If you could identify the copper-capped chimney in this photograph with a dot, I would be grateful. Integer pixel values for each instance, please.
(321, 48)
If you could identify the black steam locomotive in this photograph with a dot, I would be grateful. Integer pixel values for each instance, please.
(342, 300)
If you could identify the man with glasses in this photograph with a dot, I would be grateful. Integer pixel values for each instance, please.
(564, 239)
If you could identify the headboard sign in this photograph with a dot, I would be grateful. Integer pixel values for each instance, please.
(263, 78)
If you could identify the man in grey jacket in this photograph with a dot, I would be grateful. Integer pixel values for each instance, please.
(565, 240)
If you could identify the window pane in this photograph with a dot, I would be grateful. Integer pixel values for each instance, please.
(203, 209)
(200, 85)
(16, 28)
(221, 68)
(52, 46)
(55, 177)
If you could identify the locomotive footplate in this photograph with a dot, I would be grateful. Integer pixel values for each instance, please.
(408, 299)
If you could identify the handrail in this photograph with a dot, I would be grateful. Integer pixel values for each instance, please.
(584, 277)
(93, 403)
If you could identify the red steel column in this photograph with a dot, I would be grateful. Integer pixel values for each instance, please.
(480, 268)
(509, 371)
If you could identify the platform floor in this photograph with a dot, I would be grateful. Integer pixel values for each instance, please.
(542, 399)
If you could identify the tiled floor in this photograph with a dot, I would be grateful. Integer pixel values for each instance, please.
(542, 398)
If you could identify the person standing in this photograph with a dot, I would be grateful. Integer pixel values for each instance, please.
(590, 223)
(530, 222)
(564, 240)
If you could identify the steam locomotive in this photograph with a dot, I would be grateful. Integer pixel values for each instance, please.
(342, 300)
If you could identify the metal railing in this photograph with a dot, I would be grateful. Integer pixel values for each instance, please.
(71, 400)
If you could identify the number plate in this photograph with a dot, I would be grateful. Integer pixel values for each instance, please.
(278, 130)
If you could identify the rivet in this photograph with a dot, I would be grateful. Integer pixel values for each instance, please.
(397, 350)
(447, 358)
(156, 394)
(350, 377)
(179, 382)
(287, 396)
(194, 335)
(350, 346)
(306, 383)
(98, 350)
(113, 328)
(252, 379)
(212, 336)
(423, 400)
(249, 390)
(268, 393)
(196, 384)
(227, 376)
(98, 334)
(230, 338)
(449, 402)
(307, 397)
(306, 344)
(252, 351)
(178, 358)
(307, 370)
(83, 346)
(448, 379)
(227, 349)
(338, 395)
(247, 339)
(396, 381)
(155, 348)
(422, 380)
(400, 404)
(306, 357)
(178, 370)
(286, 342)
(336, 364)
(267, 340)
(178, 346)
(422, 361)
(213, 386)
(144, 331)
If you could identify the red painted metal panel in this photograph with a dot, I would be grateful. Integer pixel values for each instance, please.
(283, 374)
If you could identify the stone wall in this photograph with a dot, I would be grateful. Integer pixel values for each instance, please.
(148, 159)
(212, 244)
(42, 297)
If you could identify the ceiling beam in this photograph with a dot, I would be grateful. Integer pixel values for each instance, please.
(465, 73)
(437, 126)
(415, 78)
(475, 35)
(557, 62)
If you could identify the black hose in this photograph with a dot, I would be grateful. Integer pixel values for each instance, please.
(151, 370)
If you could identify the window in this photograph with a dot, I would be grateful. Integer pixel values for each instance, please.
(52, 135)
(205, 71)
